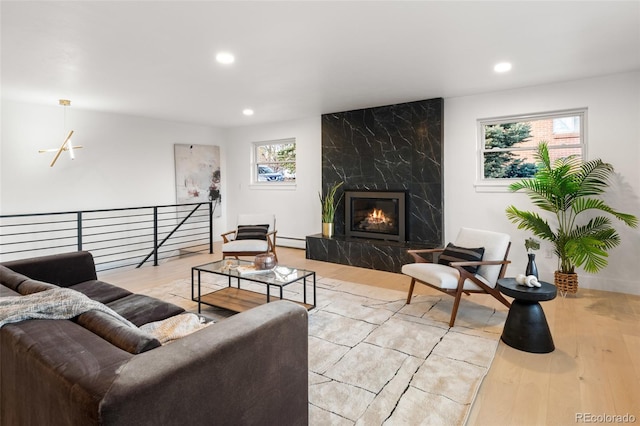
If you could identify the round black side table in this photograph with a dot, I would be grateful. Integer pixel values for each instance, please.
(526, 327)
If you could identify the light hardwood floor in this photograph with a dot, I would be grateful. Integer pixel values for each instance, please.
(594, 371)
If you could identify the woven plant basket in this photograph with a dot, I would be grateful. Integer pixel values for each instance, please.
(566, 283)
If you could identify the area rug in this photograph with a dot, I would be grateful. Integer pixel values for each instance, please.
(374, 360)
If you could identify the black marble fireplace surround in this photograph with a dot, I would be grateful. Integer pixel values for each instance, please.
(389, 148)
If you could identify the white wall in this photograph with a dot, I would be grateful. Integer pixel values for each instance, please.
(297, 208)
(613, 125)
(126, 161)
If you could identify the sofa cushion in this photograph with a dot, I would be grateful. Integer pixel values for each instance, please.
(7, 292)
(60, 269)
(21, 283)
(55, 372)
(10, 278)
(101, 291)
(132, 340)
(34, 286)
(245, 245)
(141, 309)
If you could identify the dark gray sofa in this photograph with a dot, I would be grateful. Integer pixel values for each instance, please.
(248, 369)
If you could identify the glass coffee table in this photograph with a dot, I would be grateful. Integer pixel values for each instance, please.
(237, 299)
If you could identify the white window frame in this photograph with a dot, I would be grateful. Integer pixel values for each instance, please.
(483, 184)
(255, 184)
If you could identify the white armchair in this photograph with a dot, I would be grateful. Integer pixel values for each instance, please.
(461, 269)
(254, 234)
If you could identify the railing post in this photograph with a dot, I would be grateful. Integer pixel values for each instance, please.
(79, 226)
(155, 236)
(170, 234)
(210, 227)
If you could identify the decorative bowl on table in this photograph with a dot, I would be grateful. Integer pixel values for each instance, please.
(265, 261)
(284, 273)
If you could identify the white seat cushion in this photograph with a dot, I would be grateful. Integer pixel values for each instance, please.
(441, 276)
(245, 245)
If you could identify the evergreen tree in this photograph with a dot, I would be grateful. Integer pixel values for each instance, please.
(503, 164)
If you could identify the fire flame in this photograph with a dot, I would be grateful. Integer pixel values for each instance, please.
(377, 216)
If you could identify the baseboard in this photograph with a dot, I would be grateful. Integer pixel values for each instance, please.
(292, 242)
(192, 251)
(609, 284)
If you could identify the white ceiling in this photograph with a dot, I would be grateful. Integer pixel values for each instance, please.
(300, 58)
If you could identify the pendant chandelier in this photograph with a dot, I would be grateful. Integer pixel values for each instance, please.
(66, 144)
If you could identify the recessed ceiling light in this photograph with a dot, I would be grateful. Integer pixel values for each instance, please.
(502, 67)
(247, 111)
(225, 58)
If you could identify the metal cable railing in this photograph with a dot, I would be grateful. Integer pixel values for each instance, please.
(117, 238)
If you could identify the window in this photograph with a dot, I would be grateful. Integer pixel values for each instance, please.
(508, 144)
(274, 161)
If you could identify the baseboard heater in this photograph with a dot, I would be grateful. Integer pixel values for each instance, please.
(292, 242)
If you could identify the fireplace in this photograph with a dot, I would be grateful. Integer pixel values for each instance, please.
(379, 215)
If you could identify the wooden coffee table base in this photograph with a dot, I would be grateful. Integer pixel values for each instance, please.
(239, 300)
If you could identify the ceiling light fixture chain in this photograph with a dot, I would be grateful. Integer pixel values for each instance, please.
(65, 103)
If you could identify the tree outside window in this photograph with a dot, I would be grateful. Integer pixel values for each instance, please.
(508, 144)
(275, 161)
(499, 160)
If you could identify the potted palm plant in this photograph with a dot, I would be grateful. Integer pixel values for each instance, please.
(329, 205)
(567, 188)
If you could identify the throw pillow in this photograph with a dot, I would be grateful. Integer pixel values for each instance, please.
(11, 279)
(34, 286)
(175, 327)
(132, 340)
(252, 232)
(453, 253)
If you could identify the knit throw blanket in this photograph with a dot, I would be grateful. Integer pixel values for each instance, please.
(57, 303)
(66, 303)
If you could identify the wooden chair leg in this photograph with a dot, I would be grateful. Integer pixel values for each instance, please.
(413, 283)
(456, 303)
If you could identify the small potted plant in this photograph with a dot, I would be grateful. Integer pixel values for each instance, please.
(531, 244)
(329, 205)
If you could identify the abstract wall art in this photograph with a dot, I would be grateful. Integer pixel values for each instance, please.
(197, 173)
